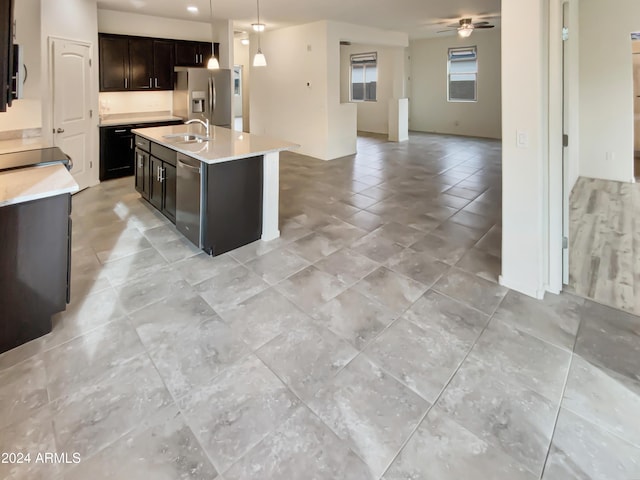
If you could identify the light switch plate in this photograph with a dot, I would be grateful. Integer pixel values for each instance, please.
(522, 138)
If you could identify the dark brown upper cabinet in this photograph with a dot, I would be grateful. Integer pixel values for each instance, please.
(163, 63)
(194, 54)
(114, 63)
(141, 63)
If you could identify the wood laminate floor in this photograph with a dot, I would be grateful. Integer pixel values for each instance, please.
(604, 262)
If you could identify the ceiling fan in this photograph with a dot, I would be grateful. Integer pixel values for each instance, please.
(466, 26)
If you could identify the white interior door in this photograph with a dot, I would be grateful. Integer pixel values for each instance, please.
(72, 124)
(566, 190)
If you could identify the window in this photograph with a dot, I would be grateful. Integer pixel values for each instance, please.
(364, 77)
(463, 74)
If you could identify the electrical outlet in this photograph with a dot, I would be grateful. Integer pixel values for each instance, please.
(610, 156)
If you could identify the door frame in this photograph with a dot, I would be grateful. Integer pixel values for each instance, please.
(47, 102)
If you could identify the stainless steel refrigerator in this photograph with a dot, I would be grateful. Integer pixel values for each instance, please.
(202, 93)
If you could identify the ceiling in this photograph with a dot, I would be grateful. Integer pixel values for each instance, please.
(418, 18)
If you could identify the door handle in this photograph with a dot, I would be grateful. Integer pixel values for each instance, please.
(60, 130)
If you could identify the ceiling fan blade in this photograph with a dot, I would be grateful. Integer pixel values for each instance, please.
(476, 24)
(446, 31)
(485, 26)
(453, 25)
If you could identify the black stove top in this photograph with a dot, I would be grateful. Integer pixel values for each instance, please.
(32, 158)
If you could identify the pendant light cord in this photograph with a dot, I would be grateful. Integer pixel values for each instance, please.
(259, 32)
(212, 29)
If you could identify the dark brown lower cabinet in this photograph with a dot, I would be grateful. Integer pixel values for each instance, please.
(35, 265)
(156, 176)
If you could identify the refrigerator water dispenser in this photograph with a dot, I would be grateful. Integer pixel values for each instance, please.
(197, 101)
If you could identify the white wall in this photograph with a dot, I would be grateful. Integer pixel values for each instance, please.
(606, 88)
(524, 170)
(125, 23)
(27, 112)
(372, 116)
(636, 94)
(135, 102)
(242, 57)
(282, 105)
(297, 96)
(429, 109)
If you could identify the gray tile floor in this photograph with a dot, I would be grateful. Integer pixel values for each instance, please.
(370, 341)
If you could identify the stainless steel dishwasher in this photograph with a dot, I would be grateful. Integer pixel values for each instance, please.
(189, 199)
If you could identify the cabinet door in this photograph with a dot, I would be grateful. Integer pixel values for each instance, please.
(142, 172)
(187, 54)
(169, 179)
(155, 182)
(205, 53)
(141, 63)
(114, 63)
(6, 53)
(117, 153)
(163, 63)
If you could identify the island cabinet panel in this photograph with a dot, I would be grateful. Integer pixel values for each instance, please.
(34, 267)
(233, 210)
(142, 172)
(162, 181)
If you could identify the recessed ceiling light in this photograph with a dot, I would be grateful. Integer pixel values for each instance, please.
(192, 9)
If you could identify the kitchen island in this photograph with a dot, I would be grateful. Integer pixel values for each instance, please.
(236, 194)
(35, 233)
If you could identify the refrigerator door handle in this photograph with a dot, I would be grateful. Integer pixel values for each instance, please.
(212, 97)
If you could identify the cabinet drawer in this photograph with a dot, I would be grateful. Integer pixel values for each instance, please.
(164, 153)
(142, 143)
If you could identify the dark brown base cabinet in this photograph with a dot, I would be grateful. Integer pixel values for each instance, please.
(35, 266)
(117, 149)
(156, 176)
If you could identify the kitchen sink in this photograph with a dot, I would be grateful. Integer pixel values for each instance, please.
(186, 138)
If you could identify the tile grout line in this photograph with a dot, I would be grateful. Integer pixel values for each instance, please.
(564, 389)
(413, 432)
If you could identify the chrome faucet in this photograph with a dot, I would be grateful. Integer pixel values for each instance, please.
(204, 123)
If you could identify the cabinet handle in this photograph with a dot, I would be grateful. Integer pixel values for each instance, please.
(131, 143)
(126, 83)
(196, 58)
(140, 163)
(157, 83)
(158, 173)
(120, 130)
(163, 177)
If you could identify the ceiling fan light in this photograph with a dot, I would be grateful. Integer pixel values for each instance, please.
(213, 63)
(259, 60)
(244, 41)
(258, 27)
(465, 31)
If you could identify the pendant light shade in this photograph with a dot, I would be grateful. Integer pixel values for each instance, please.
(212, 63)
(465, 31)
(259, 60)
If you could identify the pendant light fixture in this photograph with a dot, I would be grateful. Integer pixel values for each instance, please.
(259, 60)
(213, 63)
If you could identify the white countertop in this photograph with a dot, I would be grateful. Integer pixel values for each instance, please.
(26, 184)
(225, 144)
(127, 119)
(21, 144)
